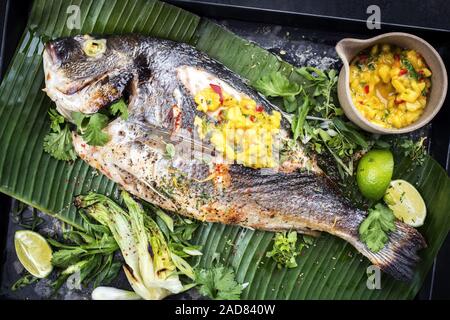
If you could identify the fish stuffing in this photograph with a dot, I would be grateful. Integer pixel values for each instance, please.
(176, 97)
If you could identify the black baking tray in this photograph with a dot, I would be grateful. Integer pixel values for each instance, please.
(268, 28)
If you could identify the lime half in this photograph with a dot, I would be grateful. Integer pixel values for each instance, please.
(374, 173)
(33, 252)
(406, 203)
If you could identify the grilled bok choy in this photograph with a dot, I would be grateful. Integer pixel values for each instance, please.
(154, 275)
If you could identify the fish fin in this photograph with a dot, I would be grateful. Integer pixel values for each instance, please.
(399, 257)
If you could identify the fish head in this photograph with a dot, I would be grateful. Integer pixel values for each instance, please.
(84, 73)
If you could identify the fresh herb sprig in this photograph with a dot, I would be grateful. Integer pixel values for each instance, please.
(374, 229)
(58, 142)
(219, 283)
(415, 150)
(285, 249)
(120, 109)
(91, 127)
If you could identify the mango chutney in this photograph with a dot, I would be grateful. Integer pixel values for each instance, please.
(239, 128)
(390, 85)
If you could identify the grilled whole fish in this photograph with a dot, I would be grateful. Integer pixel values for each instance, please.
(160, 79)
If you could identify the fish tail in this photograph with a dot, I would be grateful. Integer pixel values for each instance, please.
(399, 256)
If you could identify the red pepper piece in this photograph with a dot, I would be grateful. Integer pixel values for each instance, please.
(366, 88)
(363, 58)
(252, 118)
(402, 72)
(217, 89)
(259, 108)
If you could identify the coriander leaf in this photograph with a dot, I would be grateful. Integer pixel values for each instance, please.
(59, 145)
(285, 249)
(93, 134)
(373, 230)
(219, 283)
(276, 84)
(56, 120)
(80, 120)
(120, 108)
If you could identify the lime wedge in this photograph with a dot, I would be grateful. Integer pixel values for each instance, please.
(33, 252)
(406, 203)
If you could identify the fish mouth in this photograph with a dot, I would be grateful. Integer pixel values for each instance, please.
(55, 77)
(50, 52)
(67, 94)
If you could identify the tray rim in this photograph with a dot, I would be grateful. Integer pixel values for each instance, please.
(5, 199)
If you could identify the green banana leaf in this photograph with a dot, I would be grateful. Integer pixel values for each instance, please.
(330, 269)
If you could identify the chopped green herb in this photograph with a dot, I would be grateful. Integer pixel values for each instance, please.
(415, 150)
(411, 71)
(285, 249)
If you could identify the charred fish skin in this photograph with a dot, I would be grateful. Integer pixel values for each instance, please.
(161, 78)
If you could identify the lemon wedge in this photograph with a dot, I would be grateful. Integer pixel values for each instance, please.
(33, 252)
(406, 203)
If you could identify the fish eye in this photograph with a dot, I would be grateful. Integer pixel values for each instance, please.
(94, 47)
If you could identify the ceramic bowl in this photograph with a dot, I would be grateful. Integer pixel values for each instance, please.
(348, 48)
